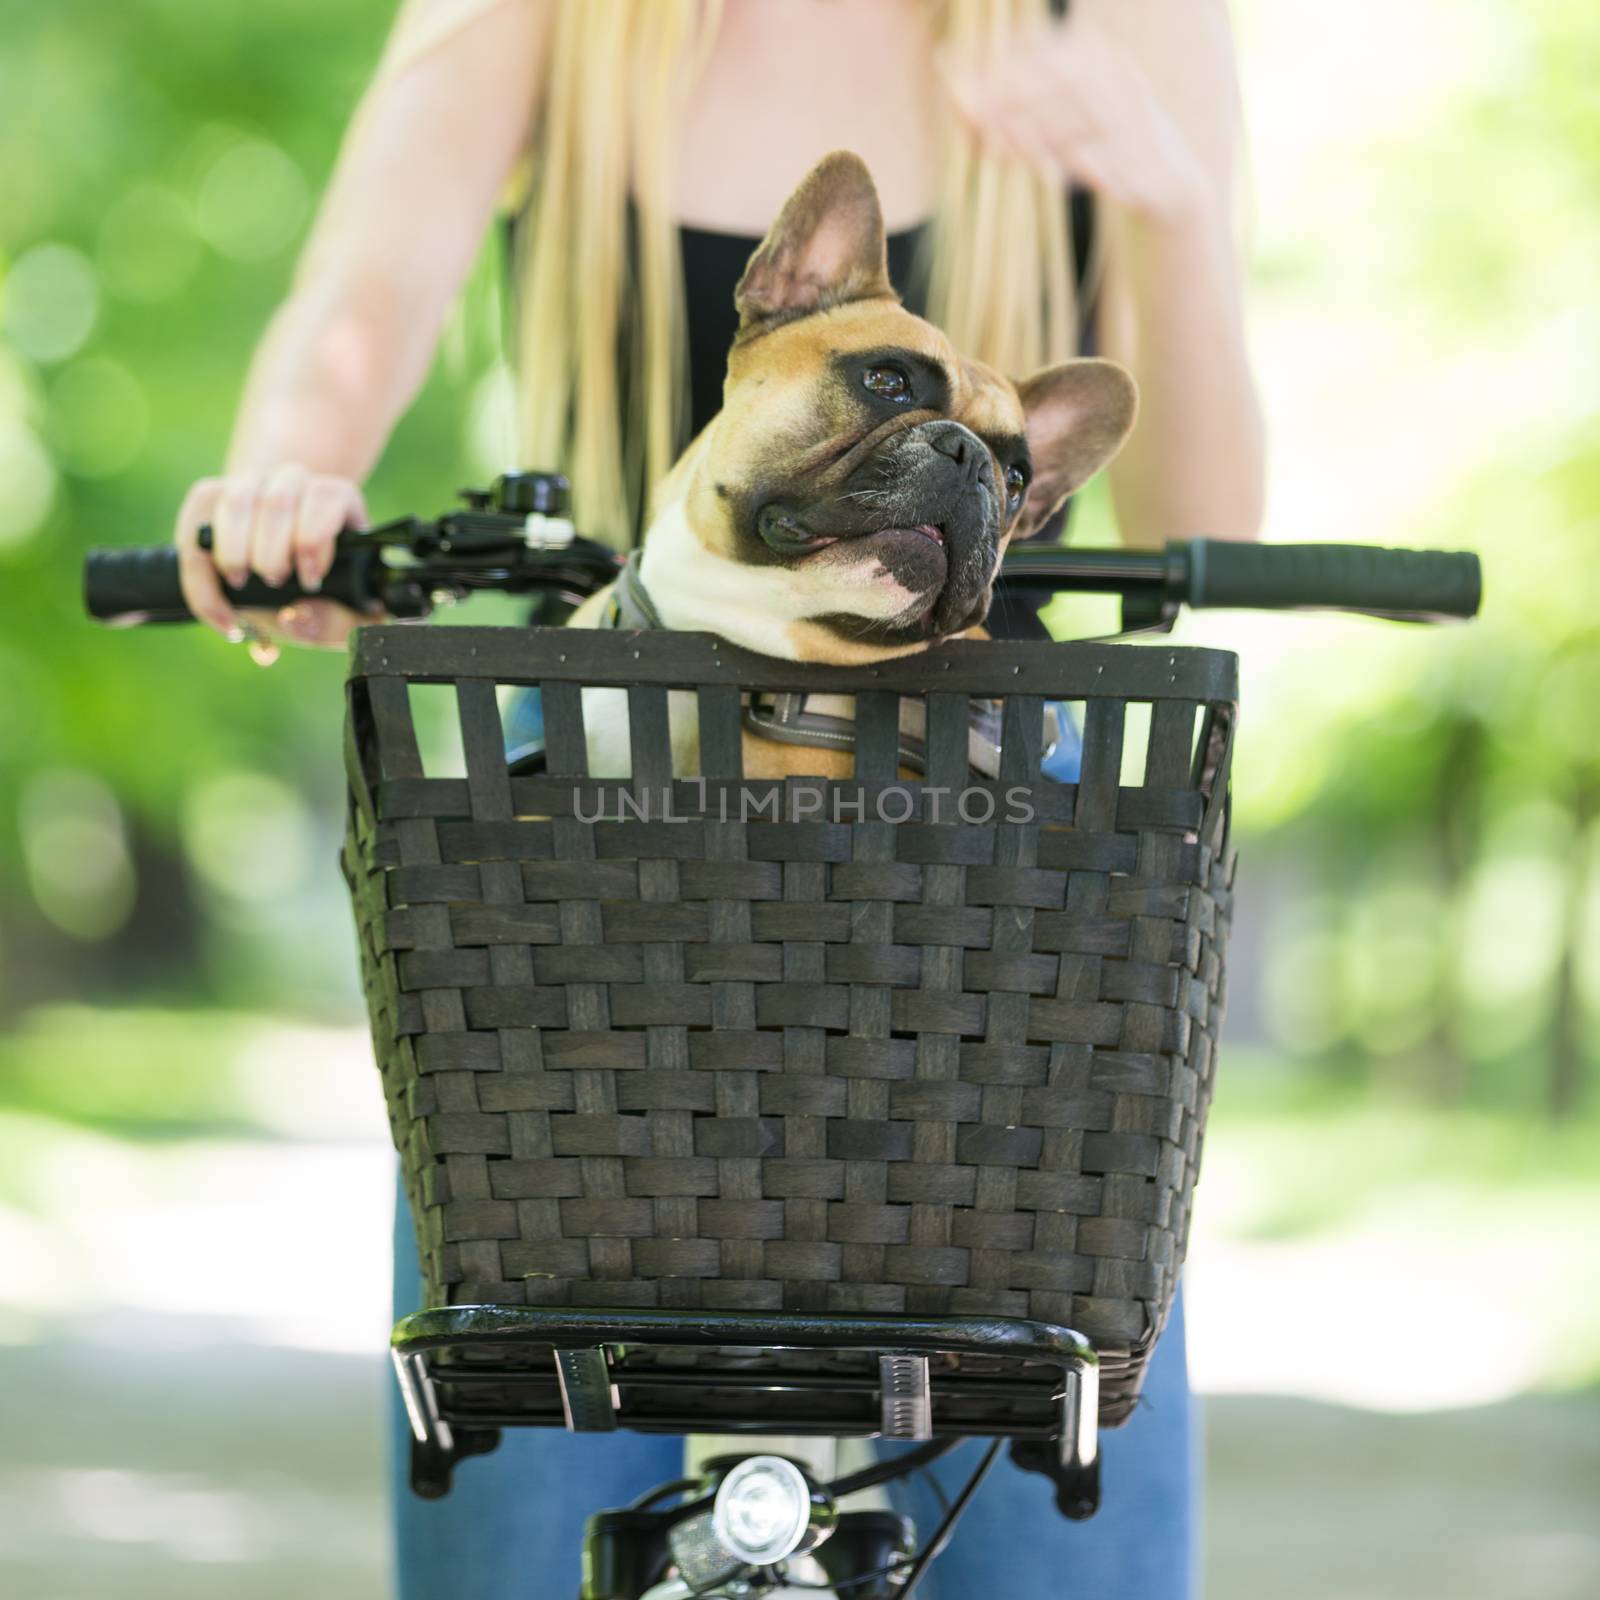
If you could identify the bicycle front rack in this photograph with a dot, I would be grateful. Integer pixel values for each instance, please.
(466, 1372)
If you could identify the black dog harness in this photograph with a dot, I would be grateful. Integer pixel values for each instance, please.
(820, 721)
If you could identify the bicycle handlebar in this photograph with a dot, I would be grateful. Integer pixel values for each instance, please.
(1413, 585)
(139, 583)
(1225, 574)
(507, 541)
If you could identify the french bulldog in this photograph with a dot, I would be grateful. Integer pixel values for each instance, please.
(852, 499)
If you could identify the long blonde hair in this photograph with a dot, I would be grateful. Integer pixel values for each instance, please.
(617, 72)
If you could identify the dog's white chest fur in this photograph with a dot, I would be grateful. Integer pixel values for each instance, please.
(605, 723)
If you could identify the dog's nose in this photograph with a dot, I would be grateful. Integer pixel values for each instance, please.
(955, 441)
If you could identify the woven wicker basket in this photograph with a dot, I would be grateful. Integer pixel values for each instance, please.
(754, 1057)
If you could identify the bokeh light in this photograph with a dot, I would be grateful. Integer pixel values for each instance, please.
(99, 417)
(76, 851)
(27, 482)
(148, 249)
(251, 201)
(51, 301)
(246, 830)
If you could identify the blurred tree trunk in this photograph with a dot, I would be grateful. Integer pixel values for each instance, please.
(157, 954)
(1568, 1045)
(1457, 818)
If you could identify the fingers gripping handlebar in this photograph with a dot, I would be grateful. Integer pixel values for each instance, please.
(140, 584)
(513, 538)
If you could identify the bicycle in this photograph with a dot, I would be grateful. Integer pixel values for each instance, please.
(913, 1150)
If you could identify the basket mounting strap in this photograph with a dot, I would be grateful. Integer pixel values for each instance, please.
(585, 1380)
(906, 1397)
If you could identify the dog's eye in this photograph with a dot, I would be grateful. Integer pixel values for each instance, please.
(888, 383)
(1016, 484)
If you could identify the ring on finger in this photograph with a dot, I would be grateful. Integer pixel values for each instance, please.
(263, 649)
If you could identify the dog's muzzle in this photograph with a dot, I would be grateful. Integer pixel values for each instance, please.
(943, 476)
(925, 504)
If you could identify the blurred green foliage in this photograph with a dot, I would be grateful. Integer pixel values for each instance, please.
(158, 167)
(1442, 821)
(142, 1072)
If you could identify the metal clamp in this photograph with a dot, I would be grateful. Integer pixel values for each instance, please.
(421, 1401)
(1080, 1416)
(587, 1398)
(906, 1397)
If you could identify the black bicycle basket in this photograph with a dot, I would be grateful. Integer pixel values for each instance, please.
(882, 1043)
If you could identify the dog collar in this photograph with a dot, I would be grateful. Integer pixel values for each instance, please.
(827, 721)
(631, 606)
(822, 721)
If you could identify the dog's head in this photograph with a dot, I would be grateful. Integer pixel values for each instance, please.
(856, 490)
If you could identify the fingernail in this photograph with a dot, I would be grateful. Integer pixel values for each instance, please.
(310, 580)
(236, 577)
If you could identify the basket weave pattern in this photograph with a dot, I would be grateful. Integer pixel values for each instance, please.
(757, 1058)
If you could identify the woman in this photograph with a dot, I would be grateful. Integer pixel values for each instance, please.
(636, 204)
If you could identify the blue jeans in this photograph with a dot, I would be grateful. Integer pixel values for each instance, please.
(513, 1524)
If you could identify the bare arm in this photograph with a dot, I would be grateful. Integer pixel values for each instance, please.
(1139, 100)
(1172, 310)
(425, 158)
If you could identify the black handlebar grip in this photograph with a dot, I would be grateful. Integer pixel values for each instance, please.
(1406, 585)
(133, 584)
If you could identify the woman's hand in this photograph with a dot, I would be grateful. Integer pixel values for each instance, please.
(278, 525)
(1074, 101)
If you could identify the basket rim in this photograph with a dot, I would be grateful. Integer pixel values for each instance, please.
(611, 658)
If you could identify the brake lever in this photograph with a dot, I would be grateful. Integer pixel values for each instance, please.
(446, 561)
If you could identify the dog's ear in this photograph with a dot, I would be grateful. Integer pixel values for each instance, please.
(1078, 414)
(826, 247)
